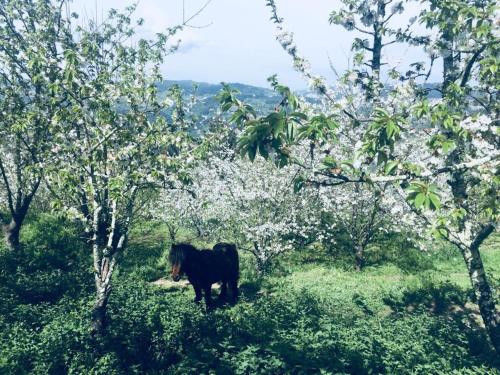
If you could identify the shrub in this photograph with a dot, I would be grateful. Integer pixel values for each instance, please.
(301, 319)
(54, 261)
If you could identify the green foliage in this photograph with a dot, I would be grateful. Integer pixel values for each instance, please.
(30, 34)
(319, 128)
(145, 258)
(273, 133)
(54, 262)
(312, 319)
(423, 195)
(382, 135)
(97, 96)
(399, 250)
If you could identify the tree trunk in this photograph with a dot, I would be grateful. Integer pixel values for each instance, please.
(99, 318)
(374, 91)
(105, 259)
(449, 69)
(261, 263)
(483, 293)
(18, 212)
(360, 261)
(469, 245)
(12, 232)
(376, 62)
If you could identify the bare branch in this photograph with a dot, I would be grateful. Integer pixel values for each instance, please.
(341, 179)
(185, 22)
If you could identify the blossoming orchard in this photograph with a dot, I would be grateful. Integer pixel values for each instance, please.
(383, 174)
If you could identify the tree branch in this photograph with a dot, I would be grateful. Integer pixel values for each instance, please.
(482, 235)
(470, 65)
(7, 187)
(404, 177)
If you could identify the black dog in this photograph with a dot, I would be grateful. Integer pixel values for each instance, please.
(206, 267)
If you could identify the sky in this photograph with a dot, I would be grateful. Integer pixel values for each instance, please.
(234, 41)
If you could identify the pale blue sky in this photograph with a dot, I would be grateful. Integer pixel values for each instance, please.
(240, 45)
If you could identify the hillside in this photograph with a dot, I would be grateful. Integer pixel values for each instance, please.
(262, 99)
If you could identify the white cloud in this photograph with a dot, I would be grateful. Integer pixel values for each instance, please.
(239, 45)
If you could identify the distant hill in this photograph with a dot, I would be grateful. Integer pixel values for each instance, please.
(260, 98)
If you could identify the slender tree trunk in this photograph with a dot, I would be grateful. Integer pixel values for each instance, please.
(103, 291)
(376, 62)
(262, 264)
(11, 233)
(377, 55)
(18, 209)
(482, 289)
(469, 243)
(12, 230)
(449, 69)
(99, 318)
(104, 264)
(105, 259)
(101, 272)
(374, 92)
(359, 256)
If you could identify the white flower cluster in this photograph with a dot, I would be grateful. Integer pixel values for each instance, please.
(480, 123)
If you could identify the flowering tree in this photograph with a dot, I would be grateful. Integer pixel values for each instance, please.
(113, 144)
(440, 181)
(465, 137)
(358, 208)
(364, 213)
(353, 105)
(372, 19)
(30, 34)
(253, 204)
(178, 209)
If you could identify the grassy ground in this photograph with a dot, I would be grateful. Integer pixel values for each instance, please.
(314, 315)
(405, 313)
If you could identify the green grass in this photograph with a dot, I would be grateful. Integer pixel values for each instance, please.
(319, 317)
(411, 313)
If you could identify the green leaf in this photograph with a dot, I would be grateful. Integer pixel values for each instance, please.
(391, 166)
(381, 158)
(252, 151)
(419, 200)
(441, 232)
(291, 131)
(299, 115)
(263, 151)
(226, 106)
(435, 202)
(391, 129)
(329, 162)
(278, 127)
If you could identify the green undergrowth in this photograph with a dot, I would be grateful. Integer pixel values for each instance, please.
(310, 315)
